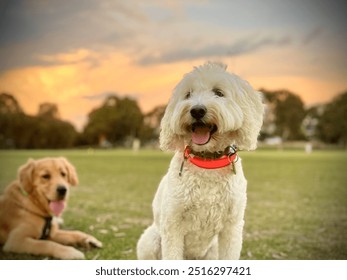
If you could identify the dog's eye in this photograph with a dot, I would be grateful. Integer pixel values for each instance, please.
(46, 176)
(218, 92)
(187, 95)
(63, 174)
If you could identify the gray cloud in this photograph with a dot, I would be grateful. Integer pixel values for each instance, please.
(239, 47)
(32, 28)
(100, 96)
(312, 35)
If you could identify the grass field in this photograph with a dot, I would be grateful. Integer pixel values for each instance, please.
(297, 203)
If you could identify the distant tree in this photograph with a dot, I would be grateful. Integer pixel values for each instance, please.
(9, 104)
(151, 124)
(153, 118)
(11, 118)
(18, 130)
(311, 122)
(116, 120)
(50, 131)
(289, 112)
(48, 110)
(333, 122)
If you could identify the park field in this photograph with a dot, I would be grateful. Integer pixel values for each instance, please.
(297, 202)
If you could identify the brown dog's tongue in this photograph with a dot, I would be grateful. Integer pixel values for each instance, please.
(201, 135)
(57, 207)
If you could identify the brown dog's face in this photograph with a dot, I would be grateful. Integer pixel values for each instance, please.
(48, 180)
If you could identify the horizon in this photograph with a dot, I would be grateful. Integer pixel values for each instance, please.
(106, 95)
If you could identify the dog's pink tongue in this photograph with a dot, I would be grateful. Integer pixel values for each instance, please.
(201, 135)
(57, 207)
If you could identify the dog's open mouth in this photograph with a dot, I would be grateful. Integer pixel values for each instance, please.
(57, 207)
(201, 132)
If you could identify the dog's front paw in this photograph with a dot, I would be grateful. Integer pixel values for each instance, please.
(91, 242)
(69, 253)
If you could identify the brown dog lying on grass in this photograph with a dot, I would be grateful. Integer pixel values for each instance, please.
(28, 206)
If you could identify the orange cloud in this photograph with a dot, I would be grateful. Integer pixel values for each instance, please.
(66, 84)
(75, 75)
(312, 91)
(71, 57)
(290, 68)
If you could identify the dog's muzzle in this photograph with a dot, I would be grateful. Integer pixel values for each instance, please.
(201, 131)
(198, 111)
(61, 191)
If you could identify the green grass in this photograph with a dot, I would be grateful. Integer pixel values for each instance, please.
(297, 203)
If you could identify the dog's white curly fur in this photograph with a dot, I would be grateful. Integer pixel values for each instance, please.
(200, 214)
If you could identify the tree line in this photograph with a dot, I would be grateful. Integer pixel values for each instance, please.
(287, 117)
(119, 120)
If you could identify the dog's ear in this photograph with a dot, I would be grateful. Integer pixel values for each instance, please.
(25, 175)
(253, 109)
(168, 140)
(166, 134)
(71, 172)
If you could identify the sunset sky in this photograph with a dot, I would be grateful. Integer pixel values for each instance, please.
(75, 52)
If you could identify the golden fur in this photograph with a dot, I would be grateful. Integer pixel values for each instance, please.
(26, 203)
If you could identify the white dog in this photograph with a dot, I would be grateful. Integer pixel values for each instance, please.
(199, 205)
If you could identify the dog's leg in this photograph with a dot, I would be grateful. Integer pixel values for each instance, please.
(17, 243)
(230, 241)
(230, 238)
(75, 238)
(172, 239)
(149, 244)
(212, 253)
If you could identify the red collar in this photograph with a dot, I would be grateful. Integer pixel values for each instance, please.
(223, 161)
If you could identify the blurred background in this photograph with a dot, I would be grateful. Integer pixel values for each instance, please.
(99, 73)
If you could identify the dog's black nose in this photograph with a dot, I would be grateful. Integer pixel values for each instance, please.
(61, 190)
(198, 111)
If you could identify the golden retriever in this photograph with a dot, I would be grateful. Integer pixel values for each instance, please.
(28, 206)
